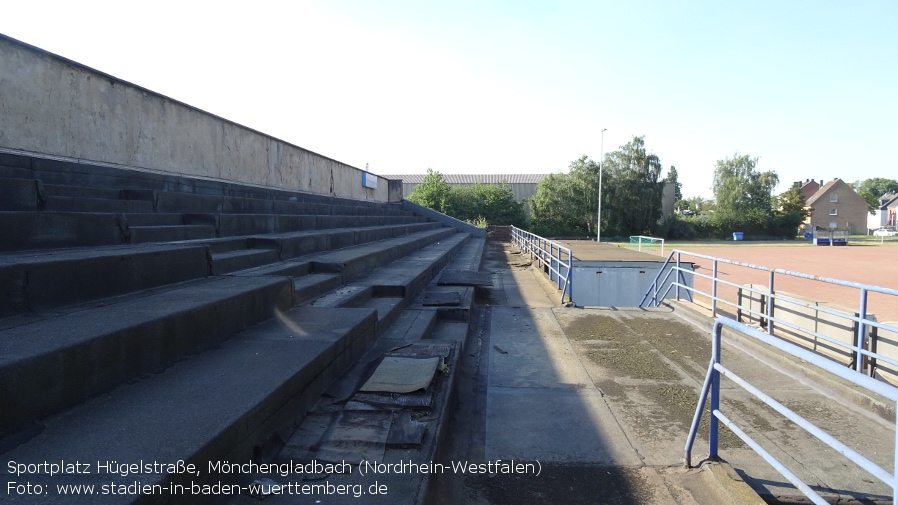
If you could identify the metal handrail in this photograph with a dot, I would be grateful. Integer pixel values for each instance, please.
(712, 386)
(548, 253)
(862, 322)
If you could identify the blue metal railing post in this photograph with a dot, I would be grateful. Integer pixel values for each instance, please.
(678, 276)
(861, 330)
(715, 392)
(770, 303)
(713, 288)
(895, 476)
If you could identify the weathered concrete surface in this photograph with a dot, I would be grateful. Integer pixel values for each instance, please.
(603, 398)
(218, 406)
(528, 396)
(65, 109)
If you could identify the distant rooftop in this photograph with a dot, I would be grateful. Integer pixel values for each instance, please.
(473, 178)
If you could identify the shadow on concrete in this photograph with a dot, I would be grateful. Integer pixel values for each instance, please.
(524, 396)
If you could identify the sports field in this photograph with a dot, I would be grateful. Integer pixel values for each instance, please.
(868, 263)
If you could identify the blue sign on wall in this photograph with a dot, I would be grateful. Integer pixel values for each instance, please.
(369, 180)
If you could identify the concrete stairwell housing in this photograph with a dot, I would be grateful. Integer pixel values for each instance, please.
(149, 317)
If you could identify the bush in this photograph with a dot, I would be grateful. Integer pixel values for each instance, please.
(750, 222)
(785, 225)
(675, 228)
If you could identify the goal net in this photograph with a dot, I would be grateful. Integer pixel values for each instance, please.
(650, 245)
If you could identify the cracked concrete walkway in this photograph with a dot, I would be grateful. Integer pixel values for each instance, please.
(602, 400)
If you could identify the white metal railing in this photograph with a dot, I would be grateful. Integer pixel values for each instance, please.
(550, 255)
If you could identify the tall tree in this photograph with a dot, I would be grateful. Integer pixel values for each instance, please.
(739, 187)
(873, 189)
(792, 201)
(433, 192)
(494, 203)
(631, 196)
(567, 203)
(876, 186)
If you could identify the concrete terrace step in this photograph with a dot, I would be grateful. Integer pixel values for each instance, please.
(217, 406)
(232, 261)
(59, 361)
(125, 324)
(170, 233)
(403, 488)
(344, 266)
(404, 277)
(162, 219)
(80, 204)
(70, 173)
(412, 325)
(23, 230)
(294, 244)
(20, 194)
(44, 280)
(33, 194)
(356, 261)
(172, 201)
(253, 224)
(311, 286)
(55, 190)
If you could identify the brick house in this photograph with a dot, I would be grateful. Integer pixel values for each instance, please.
(808, 188)
(836, 205)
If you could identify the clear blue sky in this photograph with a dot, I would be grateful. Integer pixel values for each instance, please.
(809, 87)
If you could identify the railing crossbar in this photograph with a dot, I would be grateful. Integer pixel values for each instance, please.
(859, 353)
(544, 251)
(785, 472)
(823, 436)
(711, 387)
(782, 322)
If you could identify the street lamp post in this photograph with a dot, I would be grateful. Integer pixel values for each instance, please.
(599, 218)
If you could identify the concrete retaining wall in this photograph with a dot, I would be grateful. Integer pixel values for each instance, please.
(57, 107)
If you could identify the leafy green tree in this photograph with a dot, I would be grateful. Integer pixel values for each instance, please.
(792, 200)
(876, 186)
(567, 203)
(433, 192)
(739, 187)
(696, 204)
(631, 191)
(481, 203)
(872, 189)
(791, 211)
(492, 203)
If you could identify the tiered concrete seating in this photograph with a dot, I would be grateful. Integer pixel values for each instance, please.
(150, 317)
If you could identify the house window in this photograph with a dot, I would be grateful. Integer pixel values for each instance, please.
(833, 212)
(834, 197)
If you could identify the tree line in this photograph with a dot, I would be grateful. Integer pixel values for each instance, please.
(480, 204)
(566, 204)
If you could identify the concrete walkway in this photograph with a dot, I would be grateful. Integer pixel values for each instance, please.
(599, 403)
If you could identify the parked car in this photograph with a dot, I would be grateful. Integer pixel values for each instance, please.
(885, 232)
